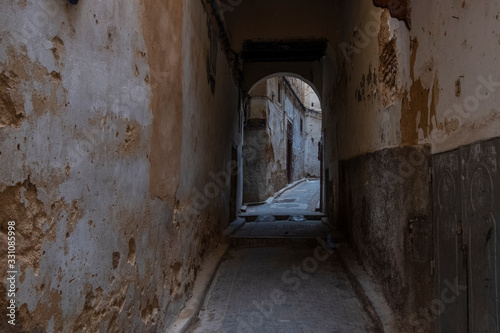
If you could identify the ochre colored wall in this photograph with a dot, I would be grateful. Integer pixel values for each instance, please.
(110, 133)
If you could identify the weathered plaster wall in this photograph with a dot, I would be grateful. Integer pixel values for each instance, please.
(386, 212)
(312, 132)
(454, 55)
(305, 93)
(371, 76)
(428, 80)
(265, 150)
(381, 184)
(255, 165)
(434, 84)
(97, 101)
(294, 114)
(276, 153)
(311, 99)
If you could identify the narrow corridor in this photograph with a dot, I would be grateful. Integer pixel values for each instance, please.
(283, 276)
(293, 288)
(141, 139)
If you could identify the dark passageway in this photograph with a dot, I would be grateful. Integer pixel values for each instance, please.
(138, 143)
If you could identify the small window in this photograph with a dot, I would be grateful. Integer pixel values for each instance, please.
(301, 125)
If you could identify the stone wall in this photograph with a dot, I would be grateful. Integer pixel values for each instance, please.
(110, 131)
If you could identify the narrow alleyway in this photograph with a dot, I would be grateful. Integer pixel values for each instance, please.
(140, 141)
(283, 276)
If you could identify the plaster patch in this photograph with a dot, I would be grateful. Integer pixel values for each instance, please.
(132, 138)
(22, 79)
(11, 102)
(388, 63)
(399, 9)
(20, 203)
(47, 310)
(58, 49)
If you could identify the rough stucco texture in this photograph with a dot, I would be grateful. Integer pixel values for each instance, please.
(92, 118)
(254, 166)
(386, 214)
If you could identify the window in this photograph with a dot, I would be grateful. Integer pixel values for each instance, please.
(301, 125)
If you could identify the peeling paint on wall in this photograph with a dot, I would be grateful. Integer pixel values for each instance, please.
(91, 122)
(399, 9)
(388, 63)
(418, 114)
(20, 203)
(22, 79)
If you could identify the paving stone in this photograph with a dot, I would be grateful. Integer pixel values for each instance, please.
(282, 289)
(251, 294)
(301, 198)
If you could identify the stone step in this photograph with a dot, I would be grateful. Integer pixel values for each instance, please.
(311, 216)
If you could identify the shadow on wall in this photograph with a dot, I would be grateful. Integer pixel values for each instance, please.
(386, 214)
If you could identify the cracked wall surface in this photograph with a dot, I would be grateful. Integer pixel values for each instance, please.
(410, 75)
(108, 128)
(117, 121)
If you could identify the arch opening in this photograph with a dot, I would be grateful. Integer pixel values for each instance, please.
(282, 143)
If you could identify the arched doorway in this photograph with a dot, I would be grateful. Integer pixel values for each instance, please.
(282, 137)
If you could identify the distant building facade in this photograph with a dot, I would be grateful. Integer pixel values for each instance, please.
(281, 137)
